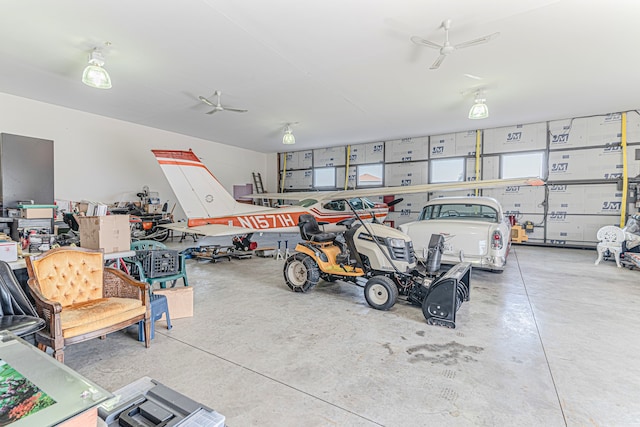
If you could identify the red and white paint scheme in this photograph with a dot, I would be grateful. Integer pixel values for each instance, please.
(212, 211)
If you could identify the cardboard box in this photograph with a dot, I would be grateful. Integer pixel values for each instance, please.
(111, 233)
(36, 213)
(8, 251)
(180, 301)
(154, 209)
(86, 418)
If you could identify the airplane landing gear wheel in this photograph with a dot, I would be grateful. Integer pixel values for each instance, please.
(161, 235)
(381, 293)
(301, 272)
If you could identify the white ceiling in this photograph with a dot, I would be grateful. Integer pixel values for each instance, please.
(344, 70)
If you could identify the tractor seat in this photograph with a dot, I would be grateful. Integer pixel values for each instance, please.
(309, 230)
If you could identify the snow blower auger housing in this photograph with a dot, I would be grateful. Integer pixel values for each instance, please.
(380, 259)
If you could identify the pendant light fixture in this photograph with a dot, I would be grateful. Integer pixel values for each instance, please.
(479, 109)
(94, 75)
(288, 137)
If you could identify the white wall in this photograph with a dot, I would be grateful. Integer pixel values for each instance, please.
(100, 159)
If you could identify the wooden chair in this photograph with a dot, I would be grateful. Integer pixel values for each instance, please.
(80, 299)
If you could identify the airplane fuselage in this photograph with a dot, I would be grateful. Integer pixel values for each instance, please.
(285, 219)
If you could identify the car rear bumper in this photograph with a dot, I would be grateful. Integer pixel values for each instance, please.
(494, 263)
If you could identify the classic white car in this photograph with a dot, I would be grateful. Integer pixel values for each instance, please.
(475, 229)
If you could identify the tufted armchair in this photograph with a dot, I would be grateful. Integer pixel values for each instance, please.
(80, 299)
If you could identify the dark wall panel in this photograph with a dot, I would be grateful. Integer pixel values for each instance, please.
(26, 170)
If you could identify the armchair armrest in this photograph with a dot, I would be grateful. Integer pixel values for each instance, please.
(47, 309)
(119, 284)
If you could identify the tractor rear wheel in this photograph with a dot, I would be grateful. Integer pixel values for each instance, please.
(301, 272)
(380, 292)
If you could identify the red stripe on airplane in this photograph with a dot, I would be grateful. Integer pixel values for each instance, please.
(176, 154)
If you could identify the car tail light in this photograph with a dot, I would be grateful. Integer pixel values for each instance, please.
(496, 240)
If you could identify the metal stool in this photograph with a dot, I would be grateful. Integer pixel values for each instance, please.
(159, 306)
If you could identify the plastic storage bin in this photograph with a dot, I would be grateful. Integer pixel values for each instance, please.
(158, 262)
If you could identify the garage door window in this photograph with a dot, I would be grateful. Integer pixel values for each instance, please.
(370, 175)
(447, 170)
(522, 165)
(324, 178)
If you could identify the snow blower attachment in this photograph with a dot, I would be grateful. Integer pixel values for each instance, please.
(446, 295)
(441, 296)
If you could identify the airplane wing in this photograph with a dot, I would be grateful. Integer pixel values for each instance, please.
(409, 189)
(300, 195)
(213, 230)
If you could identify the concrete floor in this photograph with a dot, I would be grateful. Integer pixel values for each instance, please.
(552, 341)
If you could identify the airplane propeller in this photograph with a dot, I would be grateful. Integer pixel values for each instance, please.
(395, 202)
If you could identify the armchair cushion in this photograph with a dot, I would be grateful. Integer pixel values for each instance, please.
(87, 316)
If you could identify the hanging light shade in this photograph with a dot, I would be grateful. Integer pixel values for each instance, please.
(94, 75)
(288, 137)
(479, 109)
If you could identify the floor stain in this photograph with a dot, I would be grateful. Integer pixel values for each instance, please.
(420, 333)
(388, 347)
(445, 354)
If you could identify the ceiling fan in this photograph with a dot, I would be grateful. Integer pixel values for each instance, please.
(447, 48)
(218, 106)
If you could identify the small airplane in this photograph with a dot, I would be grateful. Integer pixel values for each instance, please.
(212, 211)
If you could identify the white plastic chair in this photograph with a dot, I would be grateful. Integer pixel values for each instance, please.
(610, 240)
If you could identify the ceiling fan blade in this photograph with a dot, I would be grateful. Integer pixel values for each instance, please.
(235, 110)
(215, 110)
(477, 41)
(206, 101)
(437, 63)
(422, 42)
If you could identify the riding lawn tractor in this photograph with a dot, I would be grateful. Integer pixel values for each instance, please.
(380, 259)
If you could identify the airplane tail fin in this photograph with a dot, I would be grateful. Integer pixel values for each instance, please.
(198, 191)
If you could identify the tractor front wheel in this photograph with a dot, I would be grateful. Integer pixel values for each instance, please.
(301, 272)
(380, 292)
